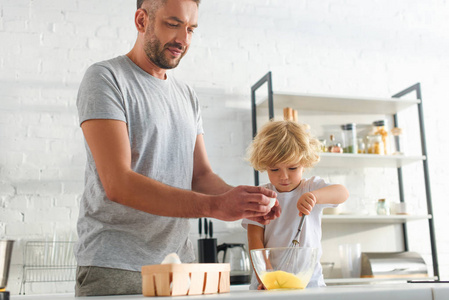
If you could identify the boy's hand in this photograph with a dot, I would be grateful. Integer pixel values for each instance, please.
(306, 203)
(261, 287)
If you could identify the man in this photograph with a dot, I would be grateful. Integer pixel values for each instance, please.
(147, 169)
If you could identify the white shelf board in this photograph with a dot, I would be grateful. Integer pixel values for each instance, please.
(390, 219)
(341, 281)
(366, 160)
(341, 104)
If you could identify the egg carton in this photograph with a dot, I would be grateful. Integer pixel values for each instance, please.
(185, 279)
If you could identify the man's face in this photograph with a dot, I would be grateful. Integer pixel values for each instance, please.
(169, 33)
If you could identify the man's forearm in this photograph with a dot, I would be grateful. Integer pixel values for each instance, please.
(148, 195)
(210, 184)
(151, 196)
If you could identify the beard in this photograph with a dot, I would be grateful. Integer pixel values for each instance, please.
(156, 52)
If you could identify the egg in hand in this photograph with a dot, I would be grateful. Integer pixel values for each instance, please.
(272, 202)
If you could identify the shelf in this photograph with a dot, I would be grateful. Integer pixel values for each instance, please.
(366, 160)
(391, 219)
(339, 281)
(340, 104)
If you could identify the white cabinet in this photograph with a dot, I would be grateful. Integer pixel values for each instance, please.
(316, 108)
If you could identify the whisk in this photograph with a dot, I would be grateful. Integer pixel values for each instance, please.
(290, 259)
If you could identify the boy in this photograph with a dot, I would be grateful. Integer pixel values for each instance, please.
(284, 149)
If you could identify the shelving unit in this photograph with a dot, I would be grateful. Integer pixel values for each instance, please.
(336, 105)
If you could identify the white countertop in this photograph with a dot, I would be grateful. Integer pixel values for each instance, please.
(406, 291)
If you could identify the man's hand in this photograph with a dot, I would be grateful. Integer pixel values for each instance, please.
(306, 203)
(274, 213)
(242, 202)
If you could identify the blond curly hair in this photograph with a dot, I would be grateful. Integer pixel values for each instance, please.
(283, 142)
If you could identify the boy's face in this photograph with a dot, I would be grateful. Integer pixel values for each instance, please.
(285, 177)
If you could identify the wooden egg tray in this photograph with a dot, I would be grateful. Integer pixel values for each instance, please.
(185, 279)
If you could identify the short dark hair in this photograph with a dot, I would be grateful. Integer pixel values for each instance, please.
(140, 2)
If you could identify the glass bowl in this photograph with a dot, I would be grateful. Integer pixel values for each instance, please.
(284, 267)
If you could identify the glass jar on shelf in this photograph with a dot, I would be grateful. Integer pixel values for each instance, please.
(349, 138)
(382, 207)
(380, 129)
(361, 149)
(322, 146)
(398, 143)
(375, 145)
(334, 147)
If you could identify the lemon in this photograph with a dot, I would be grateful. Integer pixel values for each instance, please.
(282, 280)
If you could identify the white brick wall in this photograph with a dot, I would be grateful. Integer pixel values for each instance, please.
(336, 47)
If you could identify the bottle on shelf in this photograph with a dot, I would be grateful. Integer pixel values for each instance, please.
(295, 115)
(398, 143)
(361, 149)
(375, 145)
(349, 138)
(334, 147)
(380, 129)
(290, 114)
(323, 147)
(382, 207)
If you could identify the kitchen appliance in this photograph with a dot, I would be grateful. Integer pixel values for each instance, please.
(237, 257)
(393, 265)
(5, 261)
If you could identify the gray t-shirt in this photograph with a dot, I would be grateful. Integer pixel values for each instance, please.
(163, 119)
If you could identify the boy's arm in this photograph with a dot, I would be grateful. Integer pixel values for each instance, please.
(332, 194)
(255, 241)
(255, 237)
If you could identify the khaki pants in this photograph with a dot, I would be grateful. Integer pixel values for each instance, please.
(98, 281)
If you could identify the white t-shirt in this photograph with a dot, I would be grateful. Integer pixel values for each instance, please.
(281, 231)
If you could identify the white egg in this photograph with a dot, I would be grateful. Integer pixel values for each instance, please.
(272, 202)
(171, 258)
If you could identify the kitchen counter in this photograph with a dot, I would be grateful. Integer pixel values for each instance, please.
(406, 291)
